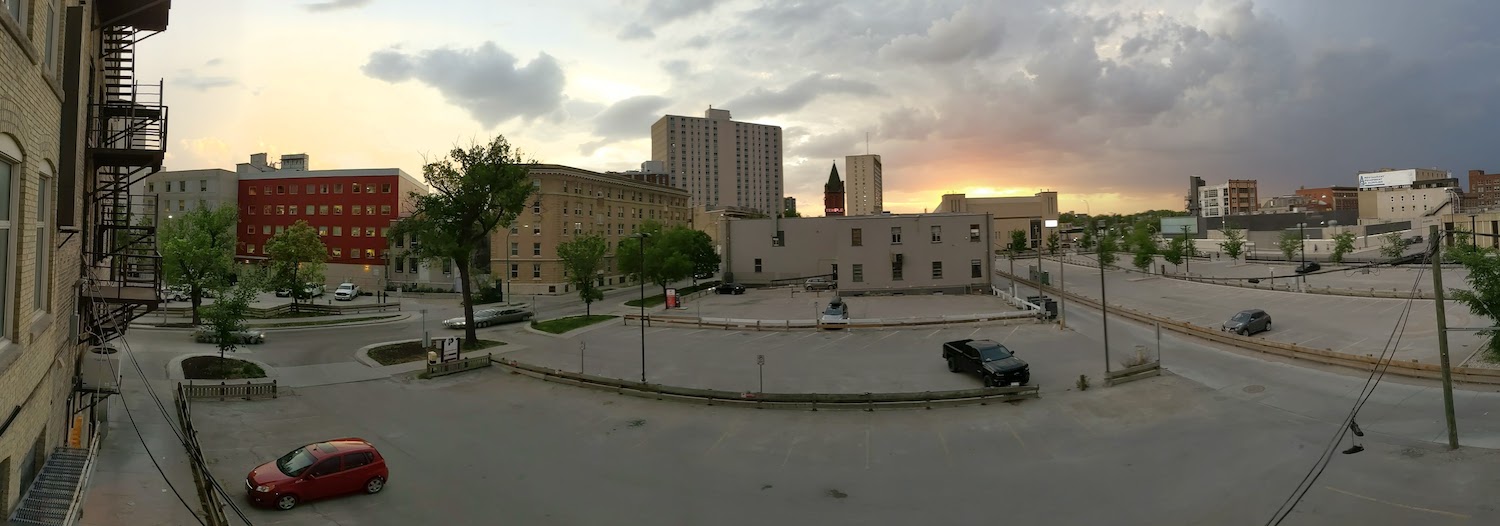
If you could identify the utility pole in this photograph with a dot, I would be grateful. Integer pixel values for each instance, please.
(1062, 291)
(1442, 334)
(1190, 250)
(1104, 315)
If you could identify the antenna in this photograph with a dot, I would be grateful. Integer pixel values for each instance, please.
(867, 143)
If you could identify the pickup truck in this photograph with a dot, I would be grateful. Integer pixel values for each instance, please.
(993, 362)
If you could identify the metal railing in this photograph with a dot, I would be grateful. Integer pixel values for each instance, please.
(224, 390)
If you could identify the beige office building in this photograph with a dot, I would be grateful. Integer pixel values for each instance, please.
(862, 194)
(876, 254)
(1027, 214)
(721, 162)
(570, 203)
(178, 191)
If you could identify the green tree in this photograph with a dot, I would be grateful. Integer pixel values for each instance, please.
(1461, 246)
(701, 250)
(1018, 243)
(1234, 241)
(1343, 243)
(1176, 251)
(474, 191)
(668, 253)
(1290, 243)
(1108, 246)
(1087, 241)
(297, 259)
(197, 251)
(225, 317)
(1142, 242)
(1392, 245)
(1054, 241)
(1483, 294)
(582, 260)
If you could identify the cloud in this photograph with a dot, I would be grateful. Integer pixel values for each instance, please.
(625, 119)
(760, 102)
(486, 80)
(331, 5)
(663, 11)
(974, 31)
(214, 62)
(195, 82)
(635, 31)
(677, 68)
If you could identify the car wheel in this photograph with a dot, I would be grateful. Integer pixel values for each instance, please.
(286, 502)
(1242, 332)
(952, 366)
(1268, 325)
(989, 381)
(374, 485)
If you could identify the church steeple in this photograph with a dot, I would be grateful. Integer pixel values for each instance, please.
(833, 194)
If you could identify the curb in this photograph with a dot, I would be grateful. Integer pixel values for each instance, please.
(573, 332)
(174, 367)
(362, 354)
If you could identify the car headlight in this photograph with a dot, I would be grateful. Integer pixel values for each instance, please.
(263, 488)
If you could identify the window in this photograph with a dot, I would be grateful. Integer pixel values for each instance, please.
(280, 229)
(291, 210)
(385, 232)
(896, 268)
(280, 189)
(536, 271)
(354, 460)
(356, 209)
(369, 210)
(856, 237)
(369, 231)
(281, 210)
(859, 273)
(515, 270)
(292, 189)
(182, 205)
(312, 189)
(385, 188)
(937, 270)
(369, 189)
(182, 186)
(249, 229)
(308, 210)
(326, 467)
(515, 249)
(323, 231)
(536, 230)
(973, 233)
(338, 210)
(338, 231)
(976, 270)
(411, 265)
(369, 253)
(937, 234)
(780, 239)
(249, 249)
(338, 252)
(322, 210)
(385, 210)
(354, 188)
(150, 187)
(43, 276)
(757, 265)
(265, 209)
(265, 229)
(323, 189)
(354, 231)
(536, 207)
(895, 235)
(536, 249)
(49, 56)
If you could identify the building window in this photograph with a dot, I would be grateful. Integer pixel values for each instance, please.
(370, 188)
(280, 229)
(265, 229)
(203, 185)
(249, 249)
(856, 237)
(291, 210)
(757, 265)
(973, 233)
(536, 230)
(323, 231)
(182, 206)
(338, 188)
(937, 234)
(937, 270)
(338, 231)
(322, 210)
(385, 233)
(7, 218)
(895, 235)
(355, 209)
(515, 249)
(411, 265)
(264, 209)
(353, 231)
(369, 210)
(308, 210)
(249, 229)
(536, 271)
(976, 269)
(385, 210)
(182, 187)
(515, 270)
(369, 253)
(323, 189)
(354, 188)
(250, 208)
(281, 210)
(43, 277)
(536, 207)
(151, 187)
(280, 189)
(400, 265)
(385, 188)
(353, 253)
(859, 273)
(536, 249)
(780, 239)
(338, 252)
(896, 268)
(49, 56)
(338, 210)
(369, 231)
(312, 189)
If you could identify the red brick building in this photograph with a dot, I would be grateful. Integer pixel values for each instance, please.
(1330, 198)
(1484, 188)
(351, 209)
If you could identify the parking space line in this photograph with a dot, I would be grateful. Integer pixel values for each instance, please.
(1017, 435)
(867, 446)
(1362, 340)
(788, 456)
(728, 430)
(1012, 332)
(768, 335)
(890, 334)
(1398, 505)
(933, 333)
(1304, 342)
(976, 331)
(947, 455)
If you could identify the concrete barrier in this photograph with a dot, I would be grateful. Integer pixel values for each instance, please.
(810, 401)
(1131, 374)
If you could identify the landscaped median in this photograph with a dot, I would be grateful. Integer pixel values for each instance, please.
(812, 401)
(652, 301)
(217, 368)
(411, 351)
(562, 325)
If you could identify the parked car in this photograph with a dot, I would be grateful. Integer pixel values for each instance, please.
(488, 317)
(206, 334)
(1308, 266)
(993, 362)
(346, 292)
(312, 290)
(321, 470)
(819, 284)
(730, 288)
(836, 316)
(703, 275)
(177, 293)
(1247, 322)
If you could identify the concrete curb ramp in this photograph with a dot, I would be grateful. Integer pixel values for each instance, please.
(810, 401)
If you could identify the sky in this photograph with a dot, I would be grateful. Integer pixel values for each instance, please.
(1111, 103)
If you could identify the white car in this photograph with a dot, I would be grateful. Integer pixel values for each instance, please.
(346, 292)
(836, 316)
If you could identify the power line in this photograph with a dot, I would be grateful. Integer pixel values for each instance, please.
(157, 465)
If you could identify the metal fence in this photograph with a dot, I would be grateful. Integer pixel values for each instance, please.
(458, 366)
(224, 390)
(213, 508)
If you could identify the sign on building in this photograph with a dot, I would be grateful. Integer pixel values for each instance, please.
(1384, 179)
(1175, 225)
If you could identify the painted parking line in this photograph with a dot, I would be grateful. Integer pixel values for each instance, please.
(931, 334)
(1012, 333)
(1362, 340)
(1448, 514)
(1304, 342)
(890, 334)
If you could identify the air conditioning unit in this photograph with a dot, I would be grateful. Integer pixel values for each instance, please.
(100, 370)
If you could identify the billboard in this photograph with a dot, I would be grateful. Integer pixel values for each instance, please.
(1383, 179)
(1174, 225)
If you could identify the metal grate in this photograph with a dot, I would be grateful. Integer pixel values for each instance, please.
(54, 497)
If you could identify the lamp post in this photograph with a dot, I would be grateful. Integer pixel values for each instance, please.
(1104, 314)
(1302, 249)
(641, 276)
(1473, 229)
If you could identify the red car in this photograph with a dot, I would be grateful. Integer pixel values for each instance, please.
(325, 469)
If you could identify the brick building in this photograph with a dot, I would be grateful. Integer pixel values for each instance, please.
(1484, 189)
(352, 209)
(833, 194)
(1330, 198)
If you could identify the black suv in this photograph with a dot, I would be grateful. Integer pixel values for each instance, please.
(993, 362)
(730, 288)
(1308, 266)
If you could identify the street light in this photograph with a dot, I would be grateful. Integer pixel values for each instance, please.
(641, 276)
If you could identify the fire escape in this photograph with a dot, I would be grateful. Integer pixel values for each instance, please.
(127, 138)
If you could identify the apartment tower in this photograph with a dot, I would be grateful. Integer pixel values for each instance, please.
(863, 196)
(721, 162)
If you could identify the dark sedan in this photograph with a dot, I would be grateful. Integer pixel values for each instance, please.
(730, 288)
(1308, 266)
(1247, 322)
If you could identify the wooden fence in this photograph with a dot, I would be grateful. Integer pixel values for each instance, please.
(458, 366)
(224, 390)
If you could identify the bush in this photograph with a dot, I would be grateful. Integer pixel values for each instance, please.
(1083, 382)
(216, 368)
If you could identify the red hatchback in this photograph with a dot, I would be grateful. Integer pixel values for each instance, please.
(324, 469)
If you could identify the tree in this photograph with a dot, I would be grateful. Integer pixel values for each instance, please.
(1343, 243)
(1107, 248)
(1234, 241)
(582, 260)
(668, 254)
(1087, 241)
(1290, 243)
(790, 212)
(225, 318)
(1483, 294)
(1054, 241)
(1017, 243)
(1175, 252)
(701, 251)
(1142, 242)
(197, 250)
(1392, 245)
(474, 191)
(297, 256)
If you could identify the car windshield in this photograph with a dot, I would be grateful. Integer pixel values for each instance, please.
(346, 286)
(294, 463)
(833, 311)
(1241, 317)
(993, 353)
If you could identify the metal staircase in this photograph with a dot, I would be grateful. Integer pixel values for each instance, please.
(127, 139)
(53, 497)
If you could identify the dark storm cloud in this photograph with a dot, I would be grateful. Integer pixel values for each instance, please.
(760, 102)
(974, 31)
(486, 80)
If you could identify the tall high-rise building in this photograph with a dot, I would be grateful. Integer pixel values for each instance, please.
(721, 162)
(789, 207)
(863, 195)
(833, 194)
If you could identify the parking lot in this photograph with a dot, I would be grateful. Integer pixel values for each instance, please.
(793, 303)
(1385, 279)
